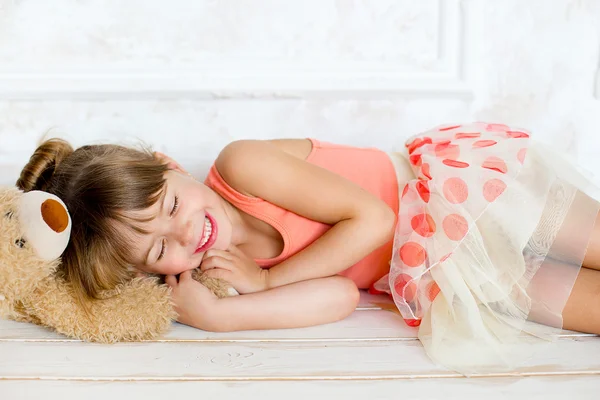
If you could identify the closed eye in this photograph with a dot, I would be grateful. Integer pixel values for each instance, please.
(163, 247)
(175, 206)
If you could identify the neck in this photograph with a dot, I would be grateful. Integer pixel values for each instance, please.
(241, 229)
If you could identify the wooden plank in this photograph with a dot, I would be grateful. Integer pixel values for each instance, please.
(250, 361)
(530, 388)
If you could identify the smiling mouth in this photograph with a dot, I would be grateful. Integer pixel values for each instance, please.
(209, 234)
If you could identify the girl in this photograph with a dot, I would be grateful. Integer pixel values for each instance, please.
(473, 230)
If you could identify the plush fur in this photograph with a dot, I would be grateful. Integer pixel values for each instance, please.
(31, 290)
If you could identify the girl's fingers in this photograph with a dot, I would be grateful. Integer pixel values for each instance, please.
(216, 262)
(171, 280)
(185, 275)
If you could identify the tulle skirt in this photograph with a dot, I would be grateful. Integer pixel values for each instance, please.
(492, 231)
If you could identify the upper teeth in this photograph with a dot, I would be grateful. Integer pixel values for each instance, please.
(207, 231)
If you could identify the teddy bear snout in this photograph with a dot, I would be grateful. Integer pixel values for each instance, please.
(55, 215)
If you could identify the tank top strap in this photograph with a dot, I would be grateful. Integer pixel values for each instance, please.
(215, 181)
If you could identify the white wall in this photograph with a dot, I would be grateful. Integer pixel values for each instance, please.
(188, 76)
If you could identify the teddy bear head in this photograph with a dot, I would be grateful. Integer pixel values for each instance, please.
(34, 231)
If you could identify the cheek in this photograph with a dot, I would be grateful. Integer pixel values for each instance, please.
(177, 265)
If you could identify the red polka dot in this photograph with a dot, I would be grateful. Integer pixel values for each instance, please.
(484, 143)
(496, 127)
(467, 135)
(492, 189)
(409, 211)
(441, 141)
(455, 163)
(413, 322)
(455, 226)
(455, 190)
(423, 224)
(495, 164)
(521, 155)
(447, 128)
(404, 286)
(432, 291)
(412, 254)
(405, 190)
(447, 150)
(444, 258)
(416, 143)
(516, 134)
(425, 171)
(423, 190)
(415, 159)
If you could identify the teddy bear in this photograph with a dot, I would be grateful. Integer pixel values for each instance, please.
(35, 230)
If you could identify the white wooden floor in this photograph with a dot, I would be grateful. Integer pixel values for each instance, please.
(370, 355)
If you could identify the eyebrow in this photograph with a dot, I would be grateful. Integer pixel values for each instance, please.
(162, 200)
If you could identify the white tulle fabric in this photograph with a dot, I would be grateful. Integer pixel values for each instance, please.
(492, 231)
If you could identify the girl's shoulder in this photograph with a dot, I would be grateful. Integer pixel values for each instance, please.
(299, 148)
(239, 153)
(243, 161)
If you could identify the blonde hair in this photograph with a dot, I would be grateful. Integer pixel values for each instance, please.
(100, 185)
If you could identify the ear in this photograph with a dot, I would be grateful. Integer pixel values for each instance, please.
(172, 164)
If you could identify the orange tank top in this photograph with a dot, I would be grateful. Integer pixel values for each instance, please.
(370, 168)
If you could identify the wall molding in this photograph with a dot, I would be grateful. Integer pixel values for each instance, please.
(259, 78)
(224, 84)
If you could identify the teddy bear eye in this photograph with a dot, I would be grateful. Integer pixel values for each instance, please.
(9, 214)
(20, 243)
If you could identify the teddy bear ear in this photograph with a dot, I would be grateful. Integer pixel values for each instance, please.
(45, 223)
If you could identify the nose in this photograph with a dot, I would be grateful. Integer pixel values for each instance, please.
(185, 233)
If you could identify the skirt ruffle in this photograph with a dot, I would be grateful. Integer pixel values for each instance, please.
(492, 231)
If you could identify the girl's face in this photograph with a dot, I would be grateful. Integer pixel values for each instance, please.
(188, 219)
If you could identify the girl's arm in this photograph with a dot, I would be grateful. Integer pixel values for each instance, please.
(361, 222)
(301, 304)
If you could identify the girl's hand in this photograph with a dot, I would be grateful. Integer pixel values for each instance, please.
(194, 303)
(235, 267)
